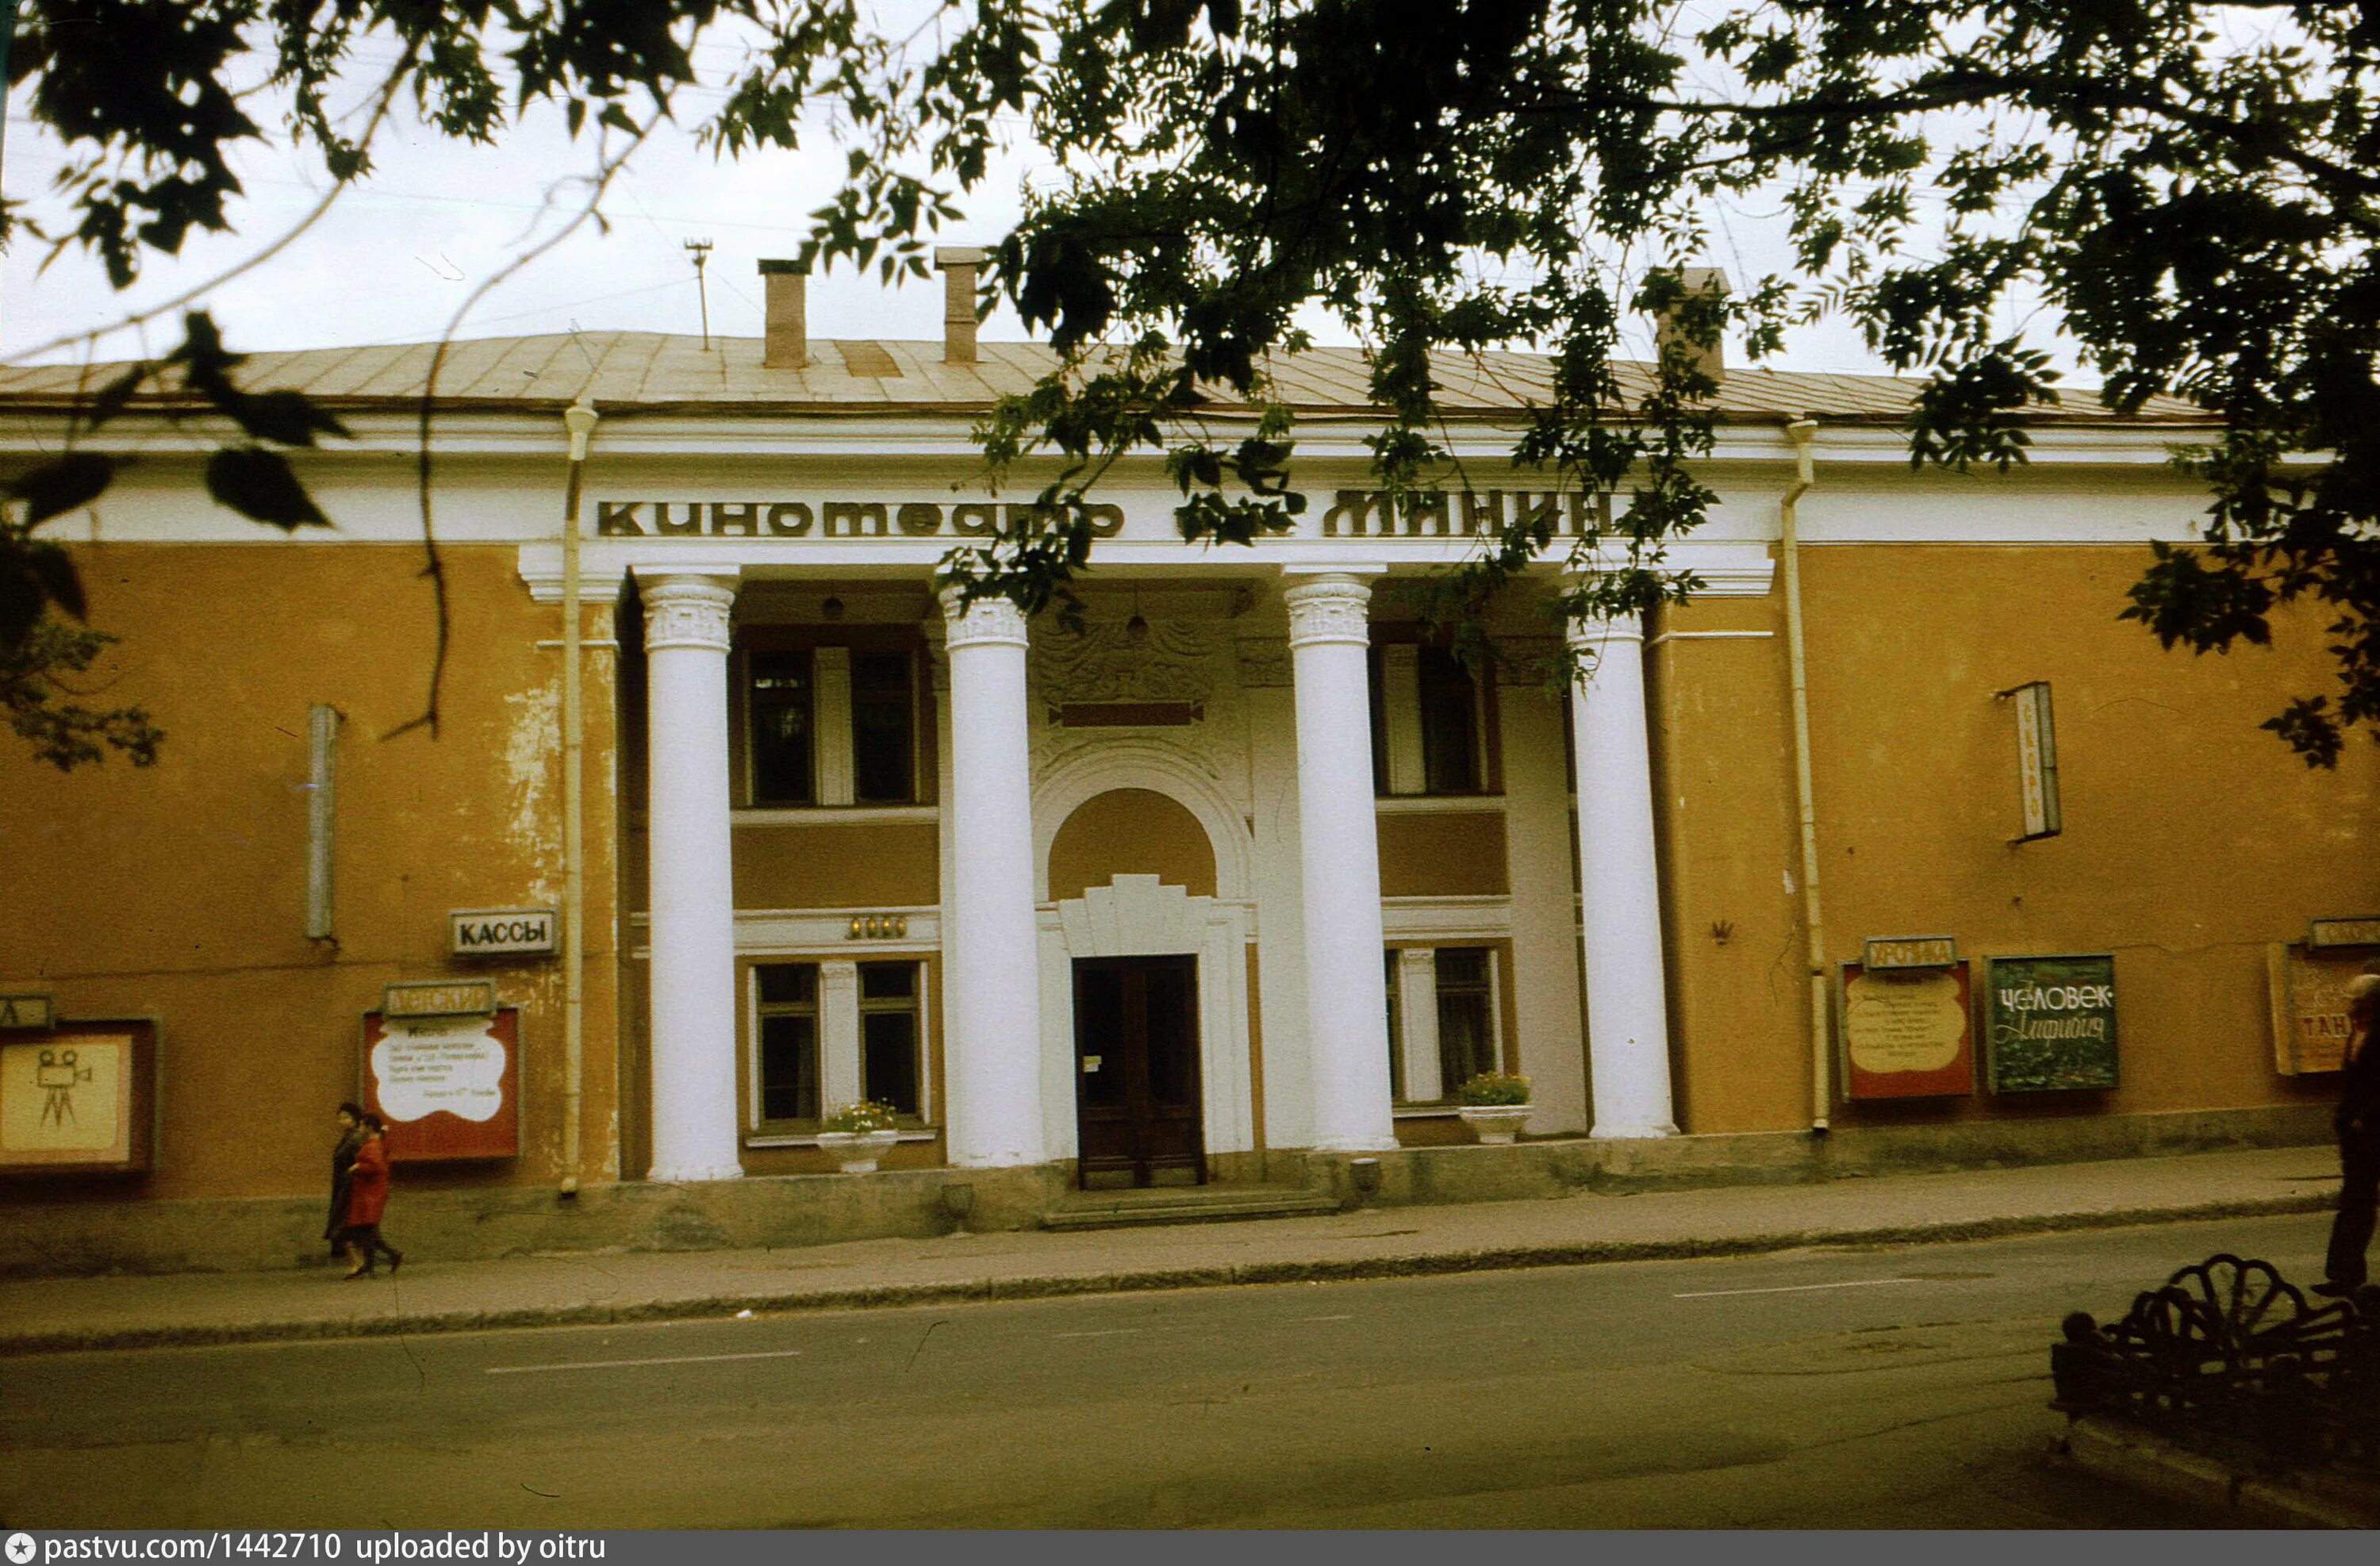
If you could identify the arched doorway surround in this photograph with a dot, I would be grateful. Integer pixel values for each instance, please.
(1140, 914)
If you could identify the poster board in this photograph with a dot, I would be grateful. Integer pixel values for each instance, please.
(2309, 1005)
(2050, 1023)
(79, 1098)
(449, 1087)
(1908, 1033)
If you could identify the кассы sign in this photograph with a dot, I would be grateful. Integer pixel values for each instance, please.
(503, 932)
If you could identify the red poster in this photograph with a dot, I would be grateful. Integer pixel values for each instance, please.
(449, 1087)
(1908, 1033)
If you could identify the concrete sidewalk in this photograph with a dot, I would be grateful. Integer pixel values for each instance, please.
(48, 1315)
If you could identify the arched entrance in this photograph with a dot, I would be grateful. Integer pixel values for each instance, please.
(1144, 977)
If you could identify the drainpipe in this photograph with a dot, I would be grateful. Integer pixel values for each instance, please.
(1798, 431)
(580, 419)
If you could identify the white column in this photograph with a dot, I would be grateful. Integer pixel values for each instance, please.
(693, 900)
(992, 1010)
(1627, 1007)
(1339, 851)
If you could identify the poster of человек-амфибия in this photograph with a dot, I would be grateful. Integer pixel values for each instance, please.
(2050, 1023)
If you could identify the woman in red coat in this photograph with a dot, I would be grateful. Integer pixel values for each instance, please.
(367, 1200)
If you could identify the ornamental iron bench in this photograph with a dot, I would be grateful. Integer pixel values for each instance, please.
(2228, 1350)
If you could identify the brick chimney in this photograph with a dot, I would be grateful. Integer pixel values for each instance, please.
(958, 264)
(785, 342)
(1693, 279)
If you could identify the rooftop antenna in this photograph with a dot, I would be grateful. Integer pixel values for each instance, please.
(700, 250)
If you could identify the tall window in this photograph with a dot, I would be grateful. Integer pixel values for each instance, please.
(889, 1069)
(831, 725)
(788, 1041)
(1450, 723)
(1428, 724)
(1442, 1026)
(782, 703)
(883, 729)
(1467, 1014)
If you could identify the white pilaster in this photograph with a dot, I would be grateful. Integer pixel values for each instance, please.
(1627, 1008)
(693, 898)
(1338, 852)
(1417, 1023)
(1401, 718)
(993, 1011)
(838, 1025)
(830, 690)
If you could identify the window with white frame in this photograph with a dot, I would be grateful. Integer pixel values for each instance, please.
(831, 1032)
(1442, 1020)
(891, 1070)
(1429, 729)
(831, 726)
(785, 1038)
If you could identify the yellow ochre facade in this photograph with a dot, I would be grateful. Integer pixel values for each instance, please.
(1231, 887)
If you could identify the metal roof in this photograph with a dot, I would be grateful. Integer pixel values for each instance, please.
(652, 372)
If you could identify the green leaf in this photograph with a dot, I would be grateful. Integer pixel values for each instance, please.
(260, 485)
(62, 484)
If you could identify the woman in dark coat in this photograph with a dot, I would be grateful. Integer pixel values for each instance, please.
(2357, 1121)
(367, 1200)
(343, 1159)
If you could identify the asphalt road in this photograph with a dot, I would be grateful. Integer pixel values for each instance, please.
(1899, 1387)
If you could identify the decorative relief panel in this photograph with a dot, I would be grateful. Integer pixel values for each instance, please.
(1184, 664)
(1264, 662)
(1167, 660)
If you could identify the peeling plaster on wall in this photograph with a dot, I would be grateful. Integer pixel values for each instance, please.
(532, 752)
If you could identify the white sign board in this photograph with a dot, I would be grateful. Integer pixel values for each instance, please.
(455, 1065)
(503, 932)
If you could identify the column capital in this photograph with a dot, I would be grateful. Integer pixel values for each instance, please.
(687, 611)
(1332, 608)
(986, 621)
(1586, 634)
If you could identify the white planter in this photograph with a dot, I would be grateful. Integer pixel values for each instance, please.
(1496, 1124)
(856, 1152)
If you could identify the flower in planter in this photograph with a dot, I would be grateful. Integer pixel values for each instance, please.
(860, 1118)
(1493, 1087)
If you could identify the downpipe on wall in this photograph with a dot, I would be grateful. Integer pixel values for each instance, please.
(579, 421)
(1801, 431)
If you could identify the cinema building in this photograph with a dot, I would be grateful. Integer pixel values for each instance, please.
(727, 820)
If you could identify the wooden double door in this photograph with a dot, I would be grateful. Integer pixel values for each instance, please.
(1138, 1111)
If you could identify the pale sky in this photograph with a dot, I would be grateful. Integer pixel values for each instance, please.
(395, 256)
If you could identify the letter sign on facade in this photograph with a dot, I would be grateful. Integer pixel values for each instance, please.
(503, 932)
(2322, 934)
(2037, 762)
(1908, 952)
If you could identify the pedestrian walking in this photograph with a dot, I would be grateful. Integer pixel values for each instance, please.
(2359, 1144)
(367, 1201)
(351, 1119)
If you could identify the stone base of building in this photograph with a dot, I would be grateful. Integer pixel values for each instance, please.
(40, 1238)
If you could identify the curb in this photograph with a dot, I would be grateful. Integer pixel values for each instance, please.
(2130, 1455)
(1058, 1285)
